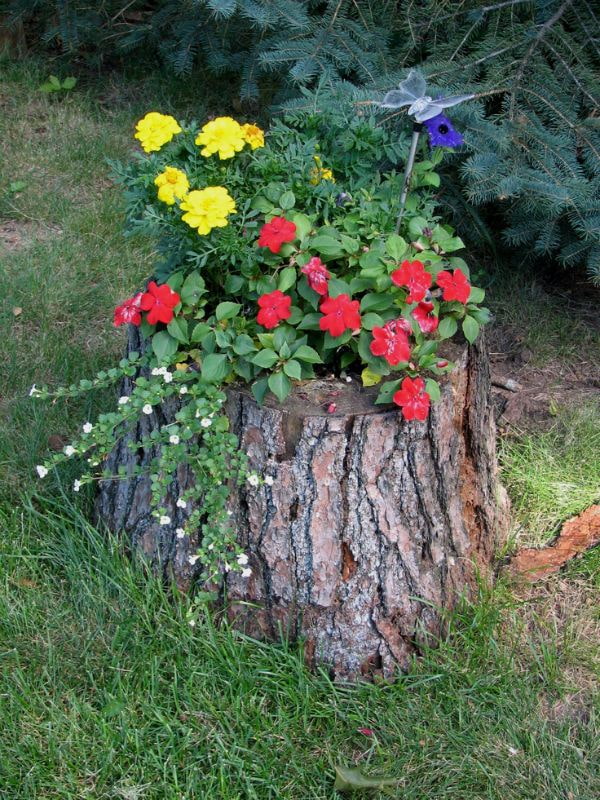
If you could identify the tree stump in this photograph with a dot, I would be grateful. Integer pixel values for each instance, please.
(372, 528)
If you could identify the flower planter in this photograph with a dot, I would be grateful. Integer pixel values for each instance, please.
(371, 529)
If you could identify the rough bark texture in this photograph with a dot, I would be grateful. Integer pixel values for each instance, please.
(371, 527)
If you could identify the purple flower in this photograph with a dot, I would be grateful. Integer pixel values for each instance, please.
(441, 133)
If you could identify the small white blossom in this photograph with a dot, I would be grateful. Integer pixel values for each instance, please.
(227, 567)
(167, 376)
(183, 390)
(269, 480)
(41, 471)
(147, 409)
(69, 450)
(124, 399)
(174, 439)
(192, 623)
(246, 572)
(206, 422)
(242, 559)
(180, 533)
(165, 520)
(253, 479)
(181, 503)
(34, 391)
(348, 379)
(211, 546)
(88, 427)
(192, 560)
(159, 370)
(76, 486)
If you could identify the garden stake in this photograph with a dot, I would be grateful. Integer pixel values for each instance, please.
(417, 128)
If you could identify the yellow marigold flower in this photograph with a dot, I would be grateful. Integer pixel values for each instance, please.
(320, 173)
(254, 135)
(222, 135)
(172, 183)
(156, 129)
(207, 208)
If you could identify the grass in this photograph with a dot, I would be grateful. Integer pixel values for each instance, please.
(106, 691)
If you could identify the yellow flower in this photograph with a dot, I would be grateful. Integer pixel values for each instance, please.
(172, 183)
(222, 135)
(254, 136)
(156, 129)
(320, 173)
(207, 208)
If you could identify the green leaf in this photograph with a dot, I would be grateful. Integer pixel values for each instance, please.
(447, 327)
(430, 179)
(200, 331)
(260, 203)
(16, 186)
(233, 284)
(259, 389)
(470, 328)
(477, 295)
(387, 391)
(310, 322)
(376, 302)
(193, 288)
(293, 369)
(164, 345)
(69, 82)
(178, 328)
(302, 223)
(227, 310)
(54, 81)
(265, 358)
(433, 389)
(326, 245)
(280, 385)
(482, 315)
(215, 367)
(287, 200)
(351, 779)
(396, 246)
(243, 345)
(370, 321)
(287, 278)
(308, 354)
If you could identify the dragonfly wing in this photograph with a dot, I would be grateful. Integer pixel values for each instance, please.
(411, 88)
(432, 110)
(447, 102)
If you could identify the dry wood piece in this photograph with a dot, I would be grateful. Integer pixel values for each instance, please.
(371, 527)
(577, 535)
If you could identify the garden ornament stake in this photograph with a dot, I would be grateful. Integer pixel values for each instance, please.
(425, 110)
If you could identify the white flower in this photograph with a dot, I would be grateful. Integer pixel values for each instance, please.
(164, 520)
(192, 623)
(242, 559)
(88, 427)
(76, 486)
(159, 370)
(180, 533)
(211, 546)
(122, 400)
(34, 391)
(174, 439)
(348, 379)
(41, 471)
(269, 480)
(246, 572)
(167, 376)
(206, 422)
(69, 450)
(183, 390)
(227, 567)
(253, 479)
(192, 560)
(147, 409)
(181, 503)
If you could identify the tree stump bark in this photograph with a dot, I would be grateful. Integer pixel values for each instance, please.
(372, 528)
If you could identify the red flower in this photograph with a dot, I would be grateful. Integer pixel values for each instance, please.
(412, 274)
(456, 287)
(317, 275)
(339, 314)
(413, 399)
(274, 233)
(159, 302)
(365, 731)
(274, 307)
(391, 341)
(129, 311)
(427, 321)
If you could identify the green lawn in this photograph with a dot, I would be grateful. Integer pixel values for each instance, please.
(106, 691)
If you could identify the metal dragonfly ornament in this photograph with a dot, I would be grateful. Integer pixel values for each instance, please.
(427, 112)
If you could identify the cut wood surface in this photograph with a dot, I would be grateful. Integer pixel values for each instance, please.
(372, 527)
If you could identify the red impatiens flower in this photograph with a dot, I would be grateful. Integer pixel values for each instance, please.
(339, 314)
(159, 302)
(391, 341)
(274, 233)
(413, 275)
(129, 311)
(274, 307)
(456, 287)
(427, 321)
(317, 275)
(413, 399)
